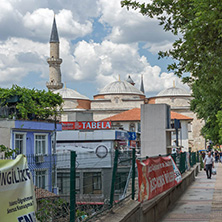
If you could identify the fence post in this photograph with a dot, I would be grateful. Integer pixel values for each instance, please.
(114, 177)
(190, 159)
(198, 157)
(73, 187)
(133, 173)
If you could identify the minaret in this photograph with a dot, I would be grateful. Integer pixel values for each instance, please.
(142, 86)
(54, 61)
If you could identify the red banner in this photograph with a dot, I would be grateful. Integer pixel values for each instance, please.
(155, 176)
(86, 125)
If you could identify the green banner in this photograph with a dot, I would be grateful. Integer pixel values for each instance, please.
(17, 197)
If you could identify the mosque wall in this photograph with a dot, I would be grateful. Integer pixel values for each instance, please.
(70, 104)
(83, 104)
(117, 101)
(116, 105)
(196, 141)
(174, 101)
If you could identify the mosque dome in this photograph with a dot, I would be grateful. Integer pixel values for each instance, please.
(67, 93)
(120, 87)
(174, 91)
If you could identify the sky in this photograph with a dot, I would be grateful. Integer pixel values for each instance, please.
(99, 42)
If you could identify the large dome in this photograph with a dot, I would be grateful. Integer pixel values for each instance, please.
(174, 91)
(67, 93)
(120, 87)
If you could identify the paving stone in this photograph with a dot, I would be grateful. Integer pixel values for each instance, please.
(202, 202)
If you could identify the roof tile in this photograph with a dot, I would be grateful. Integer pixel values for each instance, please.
(134, 115)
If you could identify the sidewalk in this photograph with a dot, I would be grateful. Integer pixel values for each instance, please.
(202, 202)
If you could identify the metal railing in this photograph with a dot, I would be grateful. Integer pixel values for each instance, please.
(84, 193)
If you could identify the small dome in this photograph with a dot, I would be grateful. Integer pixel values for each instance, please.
(120, 87)
(67, 93)
(174, 91)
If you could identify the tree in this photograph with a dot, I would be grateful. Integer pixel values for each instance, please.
(198, 25)
(31, 103)
(7, 152)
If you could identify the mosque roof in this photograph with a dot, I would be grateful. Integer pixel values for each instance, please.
(67, 93)
(54, 34)
(174, 91)
(135, 115)
(120, 87)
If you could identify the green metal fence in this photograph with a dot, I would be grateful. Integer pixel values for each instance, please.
(193, 158)
(85, 193)
(185, 160)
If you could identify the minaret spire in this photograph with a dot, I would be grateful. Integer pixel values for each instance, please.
(129, 80)
(142, 86)
(54, 33)
(54, 61)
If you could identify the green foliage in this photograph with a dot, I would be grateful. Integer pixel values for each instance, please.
(32, 102)
(56, 210)
(53, 210)
(80, 213)
(8, 152)
(197, 50)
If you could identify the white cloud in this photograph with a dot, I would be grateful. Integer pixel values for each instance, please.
(131, 26)
(39, 24)
(18, 57)
(25, 28)
(102, 63)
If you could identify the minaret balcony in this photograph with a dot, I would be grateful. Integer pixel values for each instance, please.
(54, 60)
(53, 85)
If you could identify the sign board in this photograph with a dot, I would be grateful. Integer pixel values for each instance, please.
(86, 125)
(156, 175)
(132, 135)
(133, 144)
(17, 191)
(121, 135)
(89, 154)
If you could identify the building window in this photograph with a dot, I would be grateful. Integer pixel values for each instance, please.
(139, 127)
(40, 179)
(189, 127)
(92, 183)
(132, 127)
(116, 99)
(41, 144)
(20, 143)
(172, 99)
(63, 181)
(121, 179)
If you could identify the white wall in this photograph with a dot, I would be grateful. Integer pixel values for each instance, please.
(154, 137)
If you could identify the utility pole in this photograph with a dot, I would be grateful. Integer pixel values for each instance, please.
(54, 181)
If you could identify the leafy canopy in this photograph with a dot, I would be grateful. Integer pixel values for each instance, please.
(31, 102)
(198, 25)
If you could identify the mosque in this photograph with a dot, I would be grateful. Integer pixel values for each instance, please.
(116, 97)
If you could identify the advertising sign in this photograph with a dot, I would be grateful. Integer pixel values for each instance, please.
(86, 125)
(156, 175)
(16, 191)
(121, 135)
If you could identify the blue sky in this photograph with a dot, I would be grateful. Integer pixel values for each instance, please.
(99, 41)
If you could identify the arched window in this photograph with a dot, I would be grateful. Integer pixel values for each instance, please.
(132, 127)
